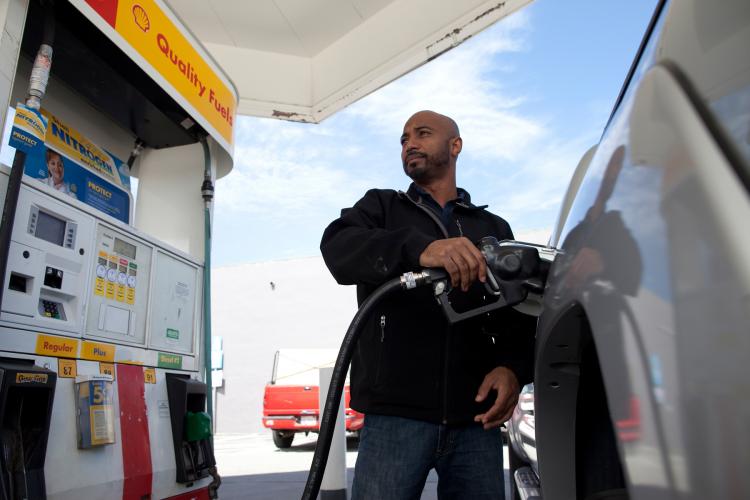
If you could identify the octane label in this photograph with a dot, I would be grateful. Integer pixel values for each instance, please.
(67, 368)
(48, 345)
(97, 351)
(169, 361)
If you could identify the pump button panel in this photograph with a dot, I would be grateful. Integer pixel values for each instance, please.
(118, 302)
(51, 309)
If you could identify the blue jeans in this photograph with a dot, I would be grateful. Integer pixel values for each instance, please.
(396, 454)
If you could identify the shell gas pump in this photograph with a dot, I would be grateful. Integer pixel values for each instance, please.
(104, 309)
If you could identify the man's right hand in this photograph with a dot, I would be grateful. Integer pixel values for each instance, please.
(460, 257)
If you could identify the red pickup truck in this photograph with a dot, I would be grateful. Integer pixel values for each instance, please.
(290, 400)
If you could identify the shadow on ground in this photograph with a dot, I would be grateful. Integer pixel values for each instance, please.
(287, 486)
(276, 486)
(352, 444)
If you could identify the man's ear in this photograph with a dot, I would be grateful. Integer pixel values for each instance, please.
(456, 146)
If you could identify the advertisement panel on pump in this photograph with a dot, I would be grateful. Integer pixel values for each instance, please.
(65, 160)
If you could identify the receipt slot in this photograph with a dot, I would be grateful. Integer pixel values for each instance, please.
(191, 427)
(26, 395)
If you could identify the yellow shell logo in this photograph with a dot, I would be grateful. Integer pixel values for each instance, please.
(141, 18)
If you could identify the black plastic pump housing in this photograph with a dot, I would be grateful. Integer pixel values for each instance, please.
(193, 458)
(27, 392)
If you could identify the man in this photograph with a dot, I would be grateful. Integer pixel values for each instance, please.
(434, 395)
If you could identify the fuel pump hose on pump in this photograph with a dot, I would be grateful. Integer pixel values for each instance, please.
(513, 269)
(344, 358)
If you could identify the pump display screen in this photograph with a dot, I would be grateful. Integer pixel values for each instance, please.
(124, 248)
(50, 228)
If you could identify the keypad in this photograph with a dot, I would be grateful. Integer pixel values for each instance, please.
(50, 309)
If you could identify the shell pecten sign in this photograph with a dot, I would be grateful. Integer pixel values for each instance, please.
(152, 33)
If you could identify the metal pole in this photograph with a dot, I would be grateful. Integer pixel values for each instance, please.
(37, 87)
(207, 191)
(333, 486)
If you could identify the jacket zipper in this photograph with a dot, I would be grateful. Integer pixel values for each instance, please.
(460, 229)
(445, 377)
(442, 227)
(380, 351)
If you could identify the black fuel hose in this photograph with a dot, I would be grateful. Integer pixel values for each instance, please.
(333, 398)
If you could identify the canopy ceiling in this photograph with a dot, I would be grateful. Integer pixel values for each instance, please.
(304, 60)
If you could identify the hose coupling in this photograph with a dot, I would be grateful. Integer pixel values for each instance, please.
(207, 190)
(425, 277)
(39, 76)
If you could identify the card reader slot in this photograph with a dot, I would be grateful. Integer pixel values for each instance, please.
(19, 283)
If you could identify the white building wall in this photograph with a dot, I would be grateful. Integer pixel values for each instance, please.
(306, 309)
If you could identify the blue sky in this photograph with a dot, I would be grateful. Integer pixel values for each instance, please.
(530, 94)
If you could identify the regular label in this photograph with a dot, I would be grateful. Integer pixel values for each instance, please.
(49, 345)
(67, 368)
(149, 375)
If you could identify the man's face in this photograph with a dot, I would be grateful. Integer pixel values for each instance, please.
(55, 168)
(426, 147)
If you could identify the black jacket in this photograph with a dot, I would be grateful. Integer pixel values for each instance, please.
(409, 361)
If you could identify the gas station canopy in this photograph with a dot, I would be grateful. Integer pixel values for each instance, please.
(303, 60)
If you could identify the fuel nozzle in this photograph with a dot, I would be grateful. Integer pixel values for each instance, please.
(513, 270)
(513, 262)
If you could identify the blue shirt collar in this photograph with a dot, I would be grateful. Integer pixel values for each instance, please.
(463, 197)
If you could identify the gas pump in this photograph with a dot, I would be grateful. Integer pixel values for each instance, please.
(103, 320)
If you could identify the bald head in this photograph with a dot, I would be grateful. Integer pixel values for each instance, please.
(447, 123)
(430, 144)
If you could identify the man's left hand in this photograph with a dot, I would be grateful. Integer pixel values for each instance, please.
(504, 381)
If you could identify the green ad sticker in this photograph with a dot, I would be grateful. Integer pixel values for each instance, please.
(172, 333)
(170, 361)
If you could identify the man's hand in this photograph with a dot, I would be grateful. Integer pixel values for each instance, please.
(460, 257)
(504, 381)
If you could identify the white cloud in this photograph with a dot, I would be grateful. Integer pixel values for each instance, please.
(538, 236)
(287, 170)
(288, 173)
(539, 181)
(291, 169)
(460, 84)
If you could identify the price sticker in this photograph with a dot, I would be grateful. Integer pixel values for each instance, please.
(67, 368)
(149, 375)
(107, 369)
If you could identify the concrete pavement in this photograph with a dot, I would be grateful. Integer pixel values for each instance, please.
(251, 467)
